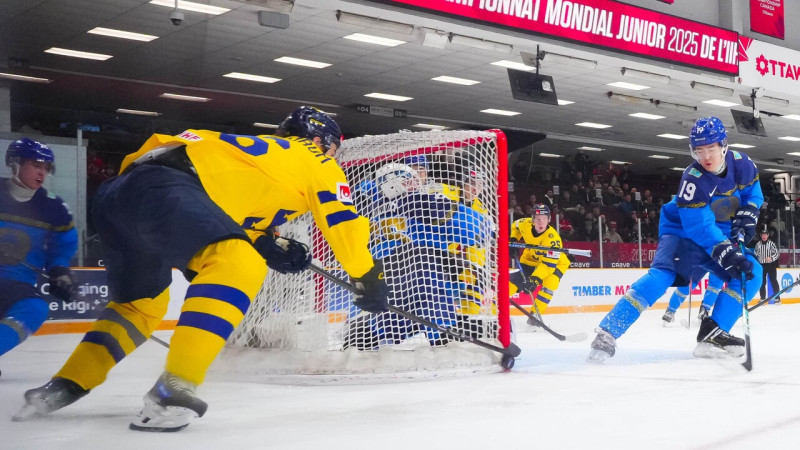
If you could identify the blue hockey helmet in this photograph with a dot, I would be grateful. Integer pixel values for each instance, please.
(416, 160)
(540, 209)
(26, 148)
(309, 122)
(708, 130)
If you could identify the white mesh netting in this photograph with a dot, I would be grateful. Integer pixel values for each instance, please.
(432, 201)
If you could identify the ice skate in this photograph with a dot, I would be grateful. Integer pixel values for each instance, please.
(714, 342)
(668, 317)
(535, 323)
(603, 347)
(704, 312)
(169, 406)
(56, 394)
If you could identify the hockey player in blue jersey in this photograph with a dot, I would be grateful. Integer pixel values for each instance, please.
(36, 230)
(425, 241)
(718, 200)
(715, 285)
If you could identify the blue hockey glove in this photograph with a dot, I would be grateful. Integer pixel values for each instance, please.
(744, 221)
(282, 254)
(374, 296)
(61, 284)
(732, 260)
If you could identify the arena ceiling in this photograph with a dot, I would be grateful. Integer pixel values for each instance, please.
(193, 58)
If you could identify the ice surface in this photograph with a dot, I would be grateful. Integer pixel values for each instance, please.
(652, 395)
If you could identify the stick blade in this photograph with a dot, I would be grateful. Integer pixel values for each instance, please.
(578, 337)
(513, 350)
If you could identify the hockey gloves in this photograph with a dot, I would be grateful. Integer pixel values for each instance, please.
(522, 282)
(283, 255)
(61, 284)
(374, 296)
(732, 260)
(745, 222)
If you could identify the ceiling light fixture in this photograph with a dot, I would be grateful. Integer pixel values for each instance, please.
(642, 115)
(679, 168)
(302, 62)
(500, 112)
(251, 77)
(265, 125)
(591, 149)
(622, 98)
(188, 98)
(712, 89)
(791, 116)
(434, 38)
(122, 34)
(775, 170)
(593, 125)
(626, 85)
(513, 65)
(377, 40)
(556, 58)
(373, 22)
(138, 112)
(790, 138)
(741, 145)
(564, 102)
(13, 76)
(394, 98)
(550, 155)
(454, 80)
(191, 6)
(672, 136)
(429, 126)
(674, 106)
(775, 101)
(642, 75)
(660, 157)
(620, 162)
(281, 6)
(722, 103)
(77, 54)
(482, 44)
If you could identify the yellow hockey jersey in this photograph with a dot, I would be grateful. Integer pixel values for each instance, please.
(265, 181)
(546, 262)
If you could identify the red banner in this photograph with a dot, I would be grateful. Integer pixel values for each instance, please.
(603, 23)
(766, 17)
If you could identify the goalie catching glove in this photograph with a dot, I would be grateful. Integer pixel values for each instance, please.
(374, 292)
(732, 260)
(61, 284)
(282, 254)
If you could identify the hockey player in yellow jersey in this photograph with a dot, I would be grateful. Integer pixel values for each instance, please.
(538, 267)
(205, 202)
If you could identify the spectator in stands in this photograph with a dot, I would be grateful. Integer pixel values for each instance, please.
(650, 228)
(611, 234)
(626, 206)
(568, 203)
(532, 199)
(647, 203)
(625, 175)
(610, 197)
(549, 200)
(610, 174)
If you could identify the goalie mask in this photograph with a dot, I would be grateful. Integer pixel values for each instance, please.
(395, 179)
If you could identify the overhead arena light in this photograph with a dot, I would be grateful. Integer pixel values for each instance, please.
(712, 89)
(483, 44)
(674, 106)
(568, 60)
(373, 22)
(622, 98)
(13, 76)
(642, 75)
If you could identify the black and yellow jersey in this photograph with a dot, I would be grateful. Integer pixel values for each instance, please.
(265, 181)
(546, 262)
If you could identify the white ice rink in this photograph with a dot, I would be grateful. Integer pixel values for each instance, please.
(652, 395)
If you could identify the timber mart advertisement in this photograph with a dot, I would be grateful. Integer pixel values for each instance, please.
(601, 23)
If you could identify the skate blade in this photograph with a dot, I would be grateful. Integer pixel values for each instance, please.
(26, 412)
(156, 418)
(709, 351)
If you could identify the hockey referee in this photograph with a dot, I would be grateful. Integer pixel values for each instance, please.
(767, 254)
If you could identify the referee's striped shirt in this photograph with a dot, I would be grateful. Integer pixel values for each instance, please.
(766, 250)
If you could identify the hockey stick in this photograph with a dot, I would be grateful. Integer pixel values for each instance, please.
(748, 358)
(569, 251)
(511, 351)
(689, 320)
(569, 338)
(775, 295)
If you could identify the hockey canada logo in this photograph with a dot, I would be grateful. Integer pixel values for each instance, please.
(189, 136)
(343, 193)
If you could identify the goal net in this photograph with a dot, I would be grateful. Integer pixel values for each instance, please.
(437, 204)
